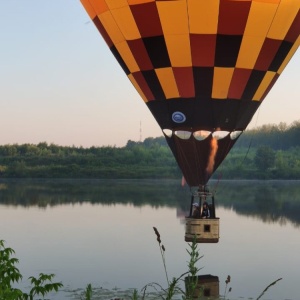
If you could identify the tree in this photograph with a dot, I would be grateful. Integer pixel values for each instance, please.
(264, 158)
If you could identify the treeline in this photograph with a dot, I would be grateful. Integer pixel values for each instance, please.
(278, 137)
(268, 152)
(136, 160)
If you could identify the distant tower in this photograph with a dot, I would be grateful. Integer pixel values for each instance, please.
(140, 131)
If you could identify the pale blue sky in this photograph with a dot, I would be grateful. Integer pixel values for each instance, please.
(59, 82)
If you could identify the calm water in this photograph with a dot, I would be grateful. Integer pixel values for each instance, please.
(100, 232)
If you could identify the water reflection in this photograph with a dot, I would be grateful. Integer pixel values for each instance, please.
(100, 232)
(269, 201)
(56, 192)
(207, 287)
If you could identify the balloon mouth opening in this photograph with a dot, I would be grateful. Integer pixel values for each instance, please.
(201, 135)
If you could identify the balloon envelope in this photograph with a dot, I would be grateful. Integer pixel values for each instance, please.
(202, 67)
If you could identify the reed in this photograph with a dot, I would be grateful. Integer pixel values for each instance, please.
(228, 279)
(43, 285)
(173, 285)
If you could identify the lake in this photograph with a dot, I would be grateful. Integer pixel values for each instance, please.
(101, 232)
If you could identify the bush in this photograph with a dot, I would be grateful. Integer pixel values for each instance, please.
(10, 274)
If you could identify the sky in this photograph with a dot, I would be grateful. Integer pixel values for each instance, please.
(59, 82)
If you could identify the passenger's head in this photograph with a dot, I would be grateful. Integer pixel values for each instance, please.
(195, 205)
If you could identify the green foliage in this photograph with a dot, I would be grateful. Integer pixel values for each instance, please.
(278, 137)
(10, 274)
(153, 159)
(194, 290)
(194, 258)
(192, 279)
(264, 158)
(135, 161)
(173, 285)
(135, 295)
(88, 292)
(43, 285)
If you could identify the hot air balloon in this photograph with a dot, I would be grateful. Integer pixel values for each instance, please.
(202, 67)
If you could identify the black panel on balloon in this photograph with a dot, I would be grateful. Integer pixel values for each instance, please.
(227, 50)
(157, 51)
(280, 56)
(203, 80)
(154, 84)
(253, 83)
(119, 59)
